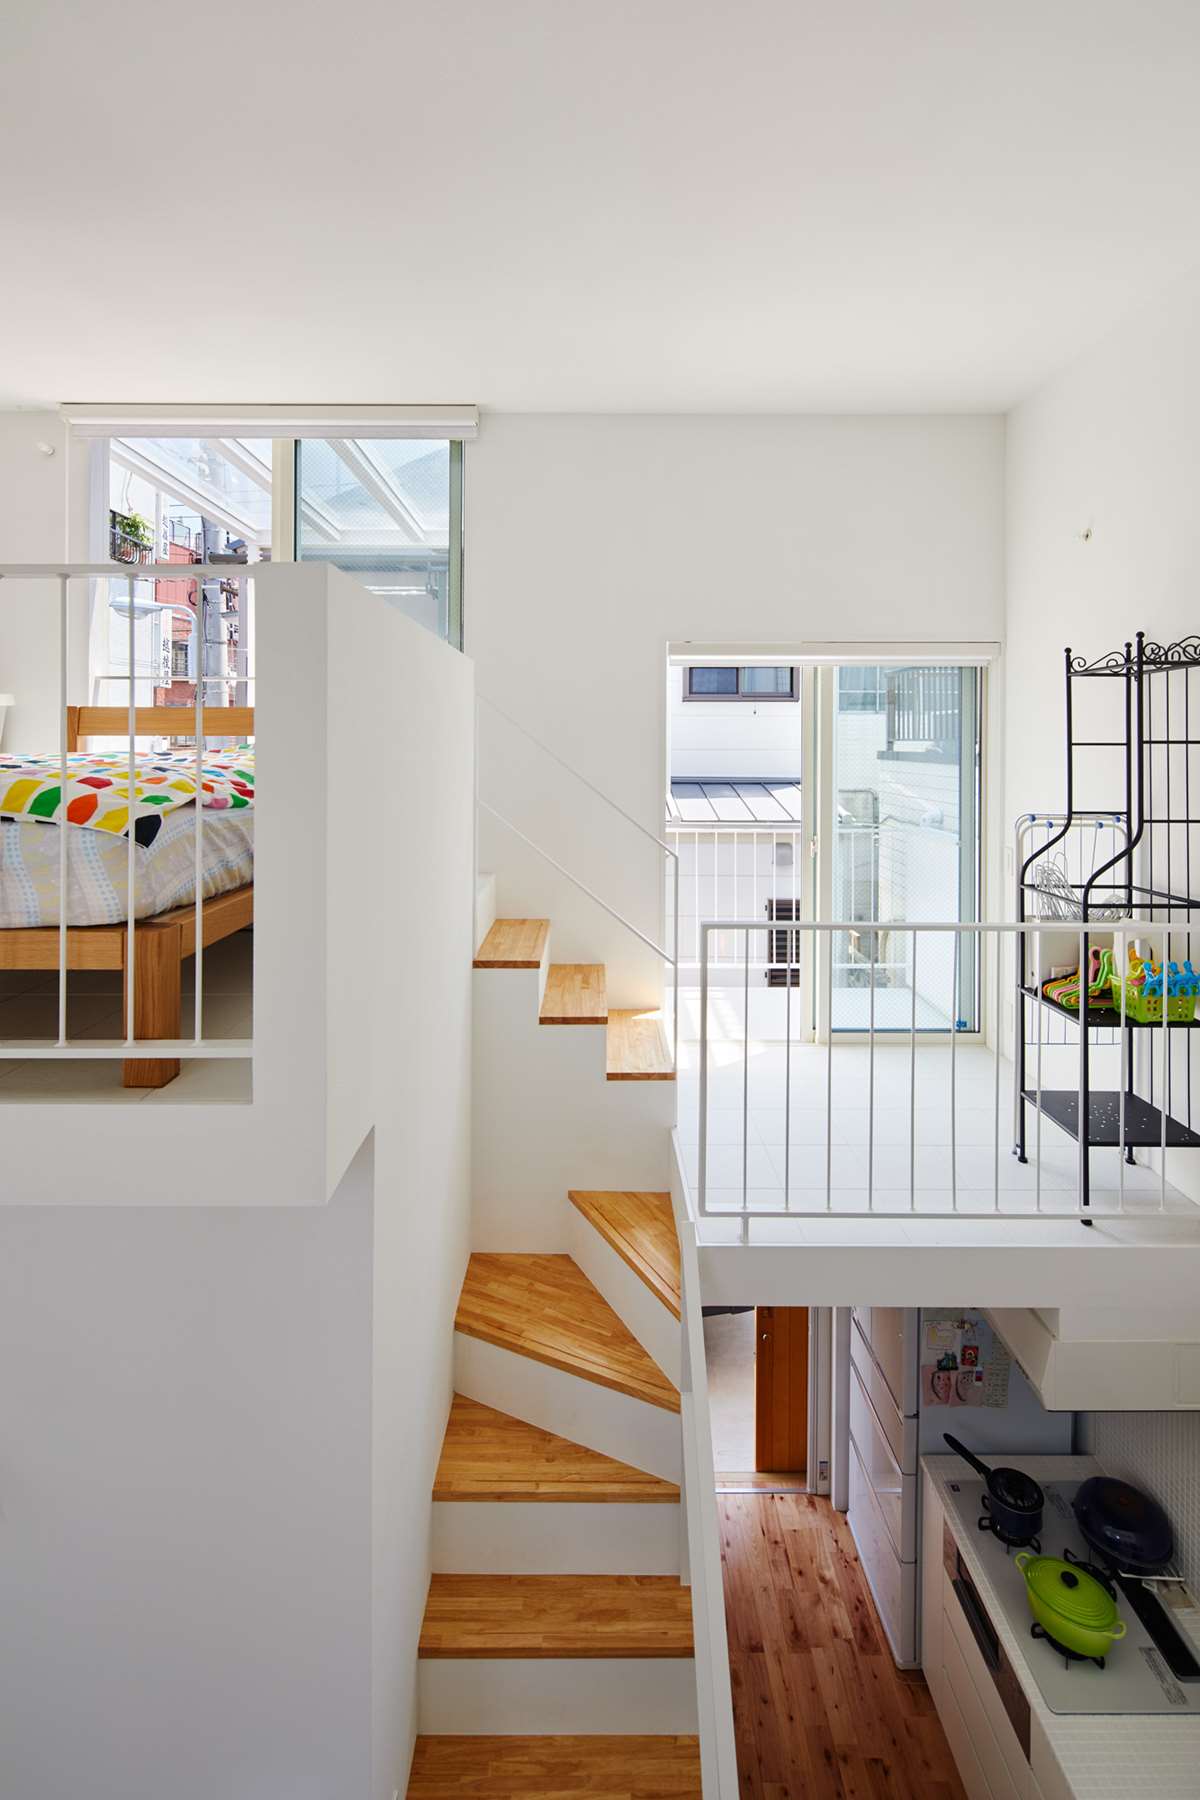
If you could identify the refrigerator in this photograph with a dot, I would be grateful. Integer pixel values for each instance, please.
(914, 1374)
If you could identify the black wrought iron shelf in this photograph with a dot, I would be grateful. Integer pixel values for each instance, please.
(1147, 717)
(1106, 1018)
(1143, 1122)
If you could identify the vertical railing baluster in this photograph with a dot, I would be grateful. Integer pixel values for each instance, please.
(996, 967)
(912, 1080)
(1166, 1053)
(787, 1071)
(829, 1072)
(871, 1080)
(63, 805)
(957, 933)
(201, 671)
(1040, 1010)
(130, 976)
(1124, 972)
(702, 954)
(746, 1090)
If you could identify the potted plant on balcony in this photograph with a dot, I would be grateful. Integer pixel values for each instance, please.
(131, 537)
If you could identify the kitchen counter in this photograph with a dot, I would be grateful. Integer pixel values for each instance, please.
(1100, 1757)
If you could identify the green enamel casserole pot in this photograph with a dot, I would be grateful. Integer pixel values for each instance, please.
(1077, 1610)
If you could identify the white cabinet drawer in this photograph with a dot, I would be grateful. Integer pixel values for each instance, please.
(901, 1432)
(958, 1738)
(893, 1583)
(991, 1758)
(1004, 1710)
(895, 1493)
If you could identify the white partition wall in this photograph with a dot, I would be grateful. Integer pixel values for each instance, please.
(227, 1329)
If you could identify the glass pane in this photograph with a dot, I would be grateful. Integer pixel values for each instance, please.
(183, 501)
(380, 508)
(713, 681)
(766, 681)
(905, 848)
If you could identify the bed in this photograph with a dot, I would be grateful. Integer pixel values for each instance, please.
(164, 878)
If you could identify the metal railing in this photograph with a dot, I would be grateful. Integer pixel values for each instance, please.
(735, 870)
(59, 578)
(669, 956)
(913, 1124)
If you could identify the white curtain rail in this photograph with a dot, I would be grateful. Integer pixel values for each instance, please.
(69, 571)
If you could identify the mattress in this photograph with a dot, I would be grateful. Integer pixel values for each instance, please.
(97, 868)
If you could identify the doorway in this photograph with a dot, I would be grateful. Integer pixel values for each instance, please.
(758, 1384)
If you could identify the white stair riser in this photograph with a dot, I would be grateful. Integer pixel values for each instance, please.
(583, 1411)
(479, 1696)
(545, 1118)
(654, 1326)
(551, 1537)
(485, 906)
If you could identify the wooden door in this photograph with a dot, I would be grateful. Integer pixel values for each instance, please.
(781, 1389)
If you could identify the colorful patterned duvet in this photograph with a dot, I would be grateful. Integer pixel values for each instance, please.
(97, 788)
(164, 831)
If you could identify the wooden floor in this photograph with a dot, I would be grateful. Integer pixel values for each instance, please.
(641, 1229)
(555, 1768)
(557, 1615)
(514, 944)
(486, 1455)
(637, 1047)
(575, 994)
(545, 1307)
(821, 1711)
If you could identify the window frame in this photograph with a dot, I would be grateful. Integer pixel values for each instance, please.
(740, 698)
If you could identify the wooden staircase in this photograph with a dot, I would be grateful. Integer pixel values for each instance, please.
(556, 1624)
(576, 994)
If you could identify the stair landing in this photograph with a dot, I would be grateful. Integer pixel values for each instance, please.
(556, 1768)
(637, 1046)
(640, 1227)
(545, 1307)
(514, 944)
(575, 994)
(556, 1615)
(487, 1455)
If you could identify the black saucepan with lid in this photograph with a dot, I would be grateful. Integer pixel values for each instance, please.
(1014, 1499)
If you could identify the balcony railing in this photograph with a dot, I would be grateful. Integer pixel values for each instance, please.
(926, 1122)
(126, 549)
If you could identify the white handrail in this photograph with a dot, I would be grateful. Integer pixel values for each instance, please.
(572, 771)
(670, 957)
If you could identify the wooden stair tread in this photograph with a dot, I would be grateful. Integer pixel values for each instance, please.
(637, 1046)
(487, 1455)
(545, 1307)
(641, 1229)
(554, 1768)
(576, 994)
(556, 1615)
(514, 944)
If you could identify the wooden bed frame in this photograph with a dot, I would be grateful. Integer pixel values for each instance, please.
(161, 943)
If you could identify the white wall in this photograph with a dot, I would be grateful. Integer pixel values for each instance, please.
(35, 490)
(220, 1420)
(594, 541)
(1110, 447)
(185, 1555)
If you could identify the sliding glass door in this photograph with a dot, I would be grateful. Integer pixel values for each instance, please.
(902, 831)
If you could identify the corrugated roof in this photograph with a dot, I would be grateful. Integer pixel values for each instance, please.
(707, 801)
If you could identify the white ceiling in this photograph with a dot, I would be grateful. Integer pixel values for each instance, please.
(833, 205)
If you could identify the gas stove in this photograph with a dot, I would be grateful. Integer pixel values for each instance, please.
(1137, 1675)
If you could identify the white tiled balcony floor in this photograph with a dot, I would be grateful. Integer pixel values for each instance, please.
(924, 1155)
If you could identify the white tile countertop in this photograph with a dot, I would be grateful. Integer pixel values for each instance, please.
(1116, 1756)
